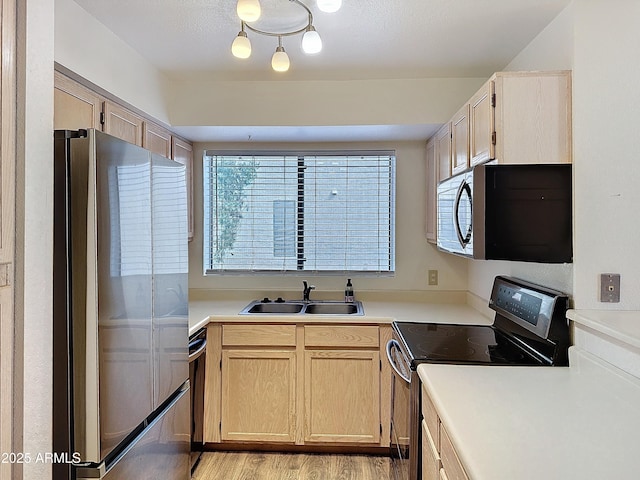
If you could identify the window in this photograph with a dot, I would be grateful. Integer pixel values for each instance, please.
(292, 212)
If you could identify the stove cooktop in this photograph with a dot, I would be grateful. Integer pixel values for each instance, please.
(459, 344)
(530, 328)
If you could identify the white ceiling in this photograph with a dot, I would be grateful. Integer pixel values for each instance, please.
(364, 39)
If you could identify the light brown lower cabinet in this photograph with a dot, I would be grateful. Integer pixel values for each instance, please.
(294, 384)
(431, 462)
(342, 396)
(439, 458)
(450, 461)
(258, 395)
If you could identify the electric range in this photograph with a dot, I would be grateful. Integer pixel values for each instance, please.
(530, 328)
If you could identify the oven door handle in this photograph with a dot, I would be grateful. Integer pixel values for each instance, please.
(391, 344)
(197, 348)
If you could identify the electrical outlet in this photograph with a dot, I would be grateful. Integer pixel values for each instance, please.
(433, 277)
(610, 287)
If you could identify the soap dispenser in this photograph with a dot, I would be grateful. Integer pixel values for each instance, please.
(348, 292)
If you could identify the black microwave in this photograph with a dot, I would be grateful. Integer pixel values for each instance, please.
(508, 212)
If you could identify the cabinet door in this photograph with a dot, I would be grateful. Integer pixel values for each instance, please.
(182, 152)
(443, 152)
(533, 117)
(258, 395)
(450, 461)
(74, 106)
(482, 125)
(460, 140)
(342, 396)
(122, 123)
(430, 457)
(432, 191)
(156, 139)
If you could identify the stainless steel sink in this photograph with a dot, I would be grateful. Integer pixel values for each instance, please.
(261, 307)
(282, 308)
(332, 308)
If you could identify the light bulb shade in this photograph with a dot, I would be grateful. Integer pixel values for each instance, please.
(311, 41)
(249, 10)
(329, 6)
(280, 60)
(241, 46)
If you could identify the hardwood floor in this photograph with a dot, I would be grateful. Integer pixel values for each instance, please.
(290, 466)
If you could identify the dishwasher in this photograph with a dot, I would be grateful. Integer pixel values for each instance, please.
(197, 347)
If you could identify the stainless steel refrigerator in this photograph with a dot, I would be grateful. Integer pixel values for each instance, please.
(121, 399)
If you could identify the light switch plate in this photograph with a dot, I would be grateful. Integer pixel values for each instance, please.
(610, 287)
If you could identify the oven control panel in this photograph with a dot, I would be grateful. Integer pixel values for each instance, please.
(519, 303)
(529, 305)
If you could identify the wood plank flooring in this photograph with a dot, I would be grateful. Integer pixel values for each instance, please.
(290, 466)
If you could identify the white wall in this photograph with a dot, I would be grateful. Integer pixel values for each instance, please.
(414, 255)
(598, 41)
(34, 226)
(606, 146)
(349, 102)
(552, 49)
(88, 48)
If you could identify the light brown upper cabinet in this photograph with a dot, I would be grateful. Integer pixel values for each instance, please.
(443, 151)
(432, 190)
(122, 123)
(78, 107)
(183, 152)
(481, 123)
(75, 106)
(156, 139)
(516, 117)
(533, 117)
(460, 140)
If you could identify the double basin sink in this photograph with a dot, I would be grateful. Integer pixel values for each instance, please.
(292, 307)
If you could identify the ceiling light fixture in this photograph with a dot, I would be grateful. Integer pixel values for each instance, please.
(250, 10)
(280, 60)
(329, 6)
(241, 46)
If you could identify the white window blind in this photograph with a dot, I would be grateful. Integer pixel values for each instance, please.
(291, 212)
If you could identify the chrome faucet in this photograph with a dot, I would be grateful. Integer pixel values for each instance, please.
(306, 291)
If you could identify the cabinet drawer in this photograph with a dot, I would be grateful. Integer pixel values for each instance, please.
(341, 336)
(431, 419)
(259, 335)
(430, 457)
(450, 461)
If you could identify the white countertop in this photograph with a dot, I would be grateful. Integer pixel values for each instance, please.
(201, 312)
(532, 423)
(618, 324)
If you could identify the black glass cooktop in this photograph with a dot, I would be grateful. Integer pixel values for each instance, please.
(459, 344)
